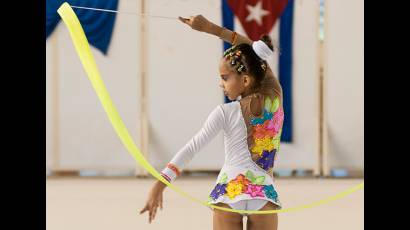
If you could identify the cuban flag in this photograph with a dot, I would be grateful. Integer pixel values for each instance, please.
(254, 18)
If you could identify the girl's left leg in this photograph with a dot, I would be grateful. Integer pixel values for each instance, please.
(263, 221)
(223, 220)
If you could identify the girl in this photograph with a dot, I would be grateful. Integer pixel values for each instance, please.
(252, 128)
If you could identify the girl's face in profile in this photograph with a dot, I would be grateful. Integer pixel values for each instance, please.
(232, 83)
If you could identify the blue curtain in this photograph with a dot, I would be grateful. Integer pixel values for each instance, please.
(98, 25)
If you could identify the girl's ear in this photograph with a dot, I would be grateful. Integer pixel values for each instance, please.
(246, 80)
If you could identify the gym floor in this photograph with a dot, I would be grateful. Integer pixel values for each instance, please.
(114, 203)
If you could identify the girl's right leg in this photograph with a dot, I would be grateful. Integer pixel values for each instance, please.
(223, 220)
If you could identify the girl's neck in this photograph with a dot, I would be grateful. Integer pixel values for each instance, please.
(248, 92)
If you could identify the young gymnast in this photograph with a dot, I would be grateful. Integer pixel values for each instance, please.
(252, 127)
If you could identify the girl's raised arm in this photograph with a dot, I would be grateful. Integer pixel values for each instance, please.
(200, 23)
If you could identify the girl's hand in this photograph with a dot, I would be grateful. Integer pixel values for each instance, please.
(198, 22)
(154, 200)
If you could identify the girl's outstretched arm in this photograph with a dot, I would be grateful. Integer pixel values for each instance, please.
(200, 23)
(212, 126)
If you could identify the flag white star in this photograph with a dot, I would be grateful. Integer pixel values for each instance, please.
(256, 13)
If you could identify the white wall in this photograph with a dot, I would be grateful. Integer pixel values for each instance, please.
(345, 77)
(185, 62)
(302, 152)
(85, 136)
(50, 101)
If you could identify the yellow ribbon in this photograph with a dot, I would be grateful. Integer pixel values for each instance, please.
(83, 50)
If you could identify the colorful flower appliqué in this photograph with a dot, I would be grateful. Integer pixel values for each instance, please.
(266, 161)
(219, 190)
(270, 192)
(255, 190)
(266, 134)
(233, 189)
(249, 184)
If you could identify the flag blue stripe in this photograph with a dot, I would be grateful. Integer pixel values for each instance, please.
(285, 68)
(227, 22)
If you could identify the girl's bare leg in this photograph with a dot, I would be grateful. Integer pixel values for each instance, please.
(263, 221)
(223, 220)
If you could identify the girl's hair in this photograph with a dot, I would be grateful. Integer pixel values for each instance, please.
(244, 60)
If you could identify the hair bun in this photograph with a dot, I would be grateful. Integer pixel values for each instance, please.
(267, 40)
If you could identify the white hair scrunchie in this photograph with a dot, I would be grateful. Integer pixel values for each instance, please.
(261, 49)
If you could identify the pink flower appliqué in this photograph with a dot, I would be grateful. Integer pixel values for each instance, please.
(269, 124)
(255, 190)
(278, 120)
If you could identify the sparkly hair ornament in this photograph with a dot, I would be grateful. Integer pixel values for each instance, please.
(234, 57)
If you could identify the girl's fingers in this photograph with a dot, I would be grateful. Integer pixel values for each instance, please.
(152, 209)
(144, 209)
(184, 20)
(150, 216)
(152, 212)
(155, 212)
(160, 201)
